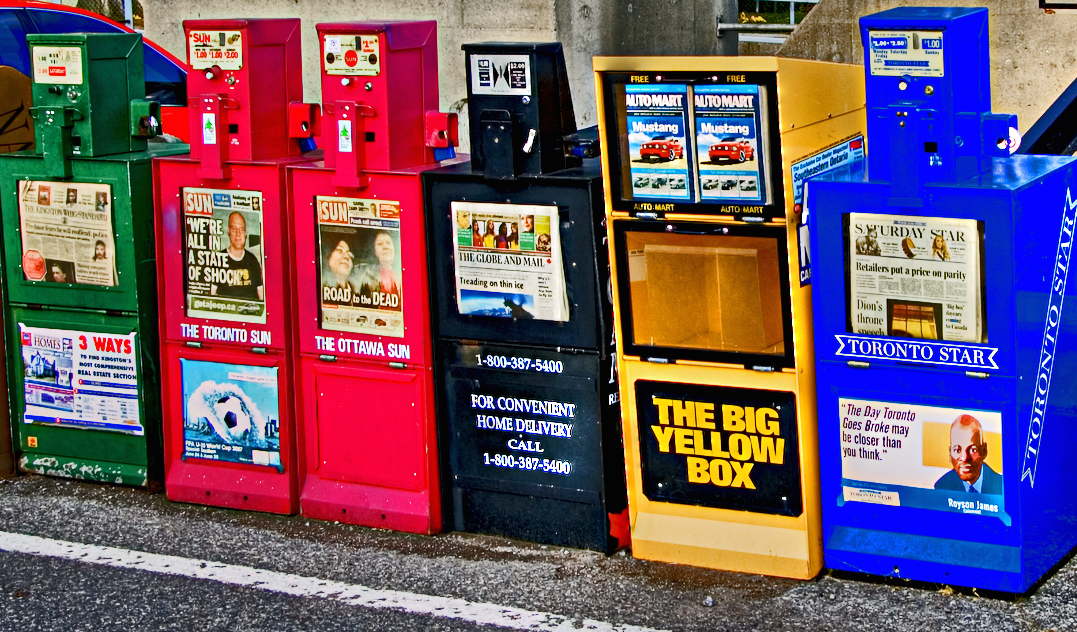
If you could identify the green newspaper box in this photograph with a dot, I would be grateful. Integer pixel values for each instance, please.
(80, 267)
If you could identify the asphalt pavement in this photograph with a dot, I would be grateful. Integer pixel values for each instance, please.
(113, 558)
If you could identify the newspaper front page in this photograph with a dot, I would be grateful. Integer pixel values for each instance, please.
(508, 261)
(361, 272)
(915, 277)
(67, 232)
(658, 141)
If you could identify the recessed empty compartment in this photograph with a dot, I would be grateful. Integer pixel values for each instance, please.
(714, 292)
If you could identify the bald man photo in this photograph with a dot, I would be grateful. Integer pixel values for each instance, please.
(244, 279)
(967, 453)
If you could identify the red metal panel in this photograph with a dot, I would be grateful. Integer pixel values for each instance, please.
(351, 444)
(257, 83)
(404, 187)
(368, 432)
(369, 445)
(395, 99)
(195, 474)
(174, 178)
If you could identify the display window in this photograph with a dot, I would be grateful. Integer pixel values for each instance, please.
(915, 277)
(361, 273)
(67, 232)
(704, 292)
(693, 139)
(224, 254)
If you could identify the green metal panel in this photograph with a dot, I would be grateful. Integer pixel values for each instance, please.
(87, 82)
(125, 180)
(7, 460)
(67, 437)
(84, 469)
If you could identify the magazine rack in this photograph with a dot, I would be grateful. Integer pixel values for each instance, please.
(528, 402)
(939, 323)
(704, 162)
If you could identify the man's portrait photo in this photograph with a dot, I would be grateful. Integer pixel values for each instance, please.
(244, 278)
(968, 449)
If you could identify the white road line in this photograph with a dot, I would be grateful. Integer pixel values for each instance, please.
(299, 586)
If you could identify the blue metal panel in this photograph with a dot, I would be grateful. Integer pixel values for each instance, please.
(932, 128)
(1046, 497)
(892, 505)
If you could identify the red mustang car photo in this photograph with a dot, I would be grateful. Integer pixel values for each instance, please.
(733, 148)
(661, 148)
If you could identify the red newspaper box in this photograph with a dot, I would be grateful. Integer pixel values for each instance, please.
(364, 378)
(225, 280)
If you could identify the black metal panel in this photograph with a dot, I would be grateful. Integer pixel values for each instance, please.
(533, 519)
(718, 446)
(536, 121)
(531, 447)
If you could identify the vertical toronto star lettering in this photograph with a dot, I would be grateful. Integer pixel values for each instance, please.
(1050, 341)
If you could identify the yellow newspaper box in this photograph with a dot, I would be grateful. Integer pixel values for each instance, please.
(704, 163)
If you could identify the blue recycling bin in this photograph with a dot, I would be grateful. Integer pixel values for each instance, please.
(944, 340)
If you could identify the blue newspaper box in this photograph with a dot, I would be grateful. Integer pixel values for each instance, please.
(939, 281)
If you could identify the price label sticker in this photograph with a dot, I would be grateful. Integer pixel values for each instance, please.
(206, 49)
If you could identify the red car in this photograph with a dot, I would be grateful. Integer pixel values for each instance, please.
(733, 148)
(661, 148)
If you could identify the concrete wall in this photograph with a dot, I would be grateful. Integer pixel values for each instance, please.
(1033, 53)
(634, 27)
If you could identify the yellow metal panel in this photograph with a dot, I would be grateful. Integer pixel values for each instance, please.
(705, 536)
(749, 538)
(810, 92)
(725, 559)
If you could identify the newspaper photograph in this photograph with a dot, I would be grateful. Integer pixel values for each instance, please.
(915, 277)
(80, 379)
(231, 413)
(728, 142)
(67, 232)
(927, 457)
(508, 261)
(360, 272)
(658, 137)
(222, 249)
